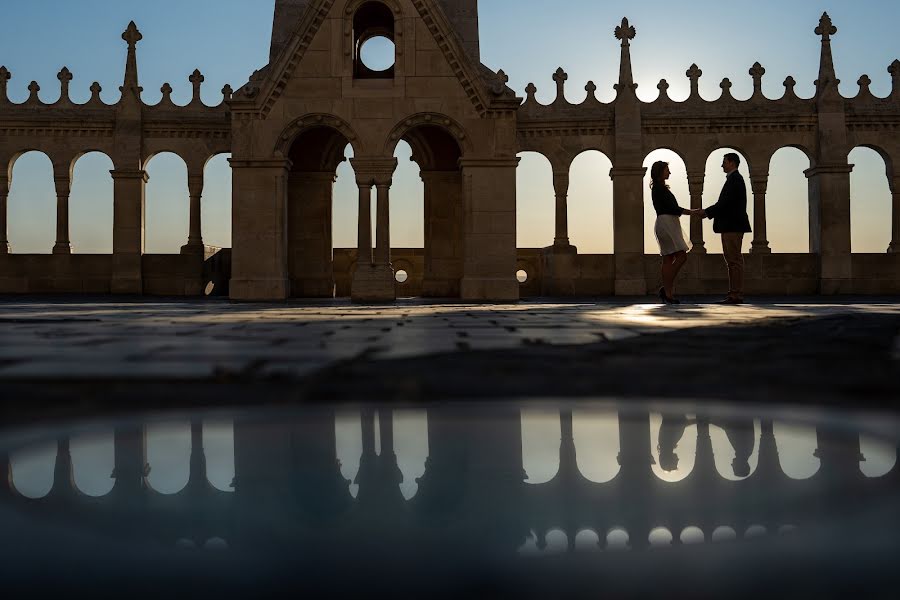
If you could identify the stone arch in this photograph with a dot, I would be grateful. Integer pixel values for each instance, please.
(91, 203)
(427, 119)
(787, 199)
(367, 19)
(591, 219)
(714, 179)
(32, 204)
(216, 200)
(678, 183)
(534, 200)
(870, 199)
(167, 208)
(303, 124)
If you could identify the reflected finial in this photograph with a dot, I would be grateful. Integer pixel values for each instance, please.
(826, 28)
(625, 32)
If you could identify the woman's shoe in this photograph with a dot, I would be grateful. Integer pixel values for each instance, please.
(673, 301)
(662, 295)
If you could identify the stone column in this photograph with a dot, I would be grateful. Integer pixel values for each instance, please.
(561, 189)
(489, 234)
(829, 224)
(374, 282)
(759, 183)
(310, 248)
(195, 237)
(894, 248)
(695, 189)
(129, 188)
(259, 256)
(130, 460)
(4, 197)
(628, 226)
(443, 233)
(383, 224)
(63, 183)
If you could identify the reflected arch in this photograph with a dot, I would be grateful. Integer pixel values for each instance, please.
(673, 445)
(597, 444)
(541, 436)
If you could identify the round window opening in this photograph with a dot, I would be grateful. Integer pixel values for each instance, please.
(401, 276)
(377, 53)
(522, 276)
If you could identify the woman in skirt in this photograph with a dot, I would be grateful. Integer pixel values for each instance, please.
(669, 234)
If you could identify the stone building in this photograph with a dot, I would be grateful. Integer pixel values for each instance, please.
(287, 129)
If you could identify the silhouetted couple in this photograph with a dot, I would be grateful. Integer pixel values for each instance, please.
(729, 217)
(740, 432)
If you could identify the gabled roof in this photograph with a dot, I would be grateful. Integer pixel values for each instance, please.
(267, 85)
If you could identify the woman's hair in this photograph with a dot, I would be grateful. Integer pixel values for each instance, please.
(656, 173)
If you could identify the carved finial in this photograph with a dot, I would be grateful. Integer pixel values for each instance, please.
(663, 87)
(65, 77)
(789, 85)
(132, 35)
(726, 87)
(694, 74)
(894, 70)
(227, 93)
(196, 80)
(166, 90)
(500, 83)
(560, 77)
(34, 88)
(530, 91)
(756, 72)
(591, 89)
(95, 91)
(864, 83)
(5, 76)
(826, 28)
(625, 32)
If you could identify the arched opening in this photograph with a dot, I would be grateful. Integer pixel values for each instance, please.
(535, 200)
(713, 182)
(437, 153)
(796, 445)
(31, 206)
(724, 534)
(315, 154)
(678, 184)
(541, 435)
(91, 205)
(881, 456)
(787, 202)
(660, 537)
(215, 203)
(673, 444)
(218, 447)
(590, 203)
(32, 469)
(167, 204)
(411, 447)
(374, 54)
(735, 443)
(348, 442)
(596, 434)
(692, 535)
(587, 540)
(617, 539)
(169, 456)
(93, 459)
(870, 202)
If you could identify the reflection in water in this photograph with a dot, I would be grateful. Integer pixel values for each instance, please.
(372, 478)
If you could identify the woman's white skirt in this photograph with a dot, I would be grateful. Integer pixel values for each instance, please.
(670, 235)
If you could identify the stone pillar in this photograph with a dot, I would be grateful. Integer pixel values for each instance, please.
(63, 182)
(628, 227)
(829, 224)
(759, 183)
(894, 248)
(636, 475)
(489, 233)
(561, 189)
(259, 256)
(443, 233)
(129, 188)
(374, 282)
(310, 248)
(695, 189)
(195, 237)
(130, 460)
(4, 198)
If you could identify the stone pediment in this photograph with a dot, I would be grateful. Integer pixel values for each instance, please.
(484, 88)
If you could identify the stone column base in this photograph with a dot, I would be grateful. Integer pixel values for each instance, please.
(259, 290)
(373, 284)
(64, 248)
(193, 249)
(485, 289)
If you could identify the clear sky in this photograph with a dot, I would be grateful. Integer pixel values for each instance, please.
(529, 39)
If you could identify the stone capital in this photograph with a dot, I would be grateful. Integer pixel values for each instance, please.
(488, 163)
(627, 172)
(264, 163)
(125, 174)
(837, 169)
(63, 184)
(373, 171)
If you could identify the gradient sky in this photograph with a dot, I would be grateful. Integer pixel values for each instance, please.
(529, 39)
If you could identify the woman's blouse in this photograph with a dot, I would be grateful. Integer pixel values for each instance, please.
(665, 203)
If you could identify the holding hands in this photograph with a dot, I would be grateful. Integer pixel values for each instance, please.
(698, 213)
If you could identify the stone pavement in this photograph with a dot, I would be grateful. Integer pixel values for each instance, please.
(418, 351)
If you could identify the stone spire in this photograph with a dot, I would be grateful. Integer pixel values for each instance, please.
(827, 79)
(132, 36)
(287, 16)
(625, 32)
(463, 15)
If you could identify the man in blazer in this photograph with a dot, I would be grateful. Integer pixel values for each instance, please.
(729, 216)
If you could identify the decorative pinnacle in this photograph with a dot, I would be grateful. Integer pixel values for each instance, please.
(789, 83)
(864, 83)
(591, 88)
(132, 35)
(663, 87)
(531, 90)
(726, 87)
(694, 73)
(500, 83)
(34, 88)
(5, 76)
(826, 28)
(625, 32)
(166, 90)
(227, 92)
(560, 77)
(196, 79)
(894, 69)
(757, 71)
(95, 90)
(64, 76)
